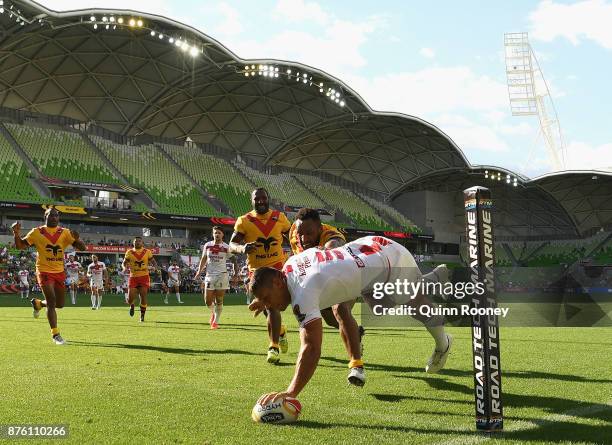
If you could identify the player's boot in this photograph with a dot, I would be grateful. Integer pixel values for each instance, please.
(131, 310)
(438, 359)
(36, 307)
(214, 325)
(273, 356)
(283, 342)
(357, 376)
(58, 340)
(166, 299)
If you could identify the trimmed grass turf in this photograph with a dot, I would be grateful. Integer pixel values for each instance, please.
(172, 380)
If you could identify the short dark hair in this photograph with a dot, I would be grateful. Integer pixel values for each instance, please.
(262, 277)
(261, 189)
(306, 213)
(137, 237)
(217, 228)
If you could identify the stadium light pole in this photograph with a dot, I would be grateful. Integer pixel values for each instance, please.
(529, 93)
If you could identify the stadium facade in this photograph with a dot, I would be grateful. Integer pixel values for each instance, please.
(127, 79)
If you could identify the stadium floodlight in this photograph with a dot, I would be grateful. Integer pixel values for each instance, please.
(342, 103)
(132, 22)
(95, 26)
(529, 93)
(289, 71)
(92, 18)
(112, 19)
(193, 52)
(120, 20)
(139, 23)
(107, 26)
(152, 33)
(104, 19)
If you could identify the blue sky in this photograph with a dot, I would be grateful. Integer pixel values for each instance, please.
(441, 61)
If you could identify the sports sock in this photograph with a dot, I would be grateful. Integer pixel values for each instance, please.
(143, 309)
(99, 301)
(438, 334)
(93, 300)
(72, 296)
(283, 330)
(27, 292)
(218, 310)
(54, 332)
(178, 296)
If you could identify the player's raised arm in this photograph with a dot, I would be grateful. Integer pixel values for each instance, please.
(334, 242)
(153, 262)
(20, 243)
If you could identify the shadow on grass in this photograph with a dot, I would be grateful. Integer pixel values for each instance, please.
(552, 405)
(166, 350)
(468, 373)
(536, 431)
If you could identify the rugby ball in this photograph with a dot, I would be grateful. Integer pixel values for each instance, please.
(285, 410)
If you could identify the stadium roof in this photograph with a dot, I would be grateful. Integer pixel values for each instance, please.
(130, 81)
(136, 73)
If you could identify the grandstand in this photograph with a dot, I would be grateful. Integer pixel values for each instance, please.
(215, 175)
(15, 184)
(364, 216)
(392, 214)
(145, 166)
(282, 187)
(61, 154)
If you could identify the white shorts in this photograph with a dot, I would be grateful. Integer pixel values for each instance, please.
(98, 284)
(72, 279)
(172, 283)
(403, 267)
(217, 282)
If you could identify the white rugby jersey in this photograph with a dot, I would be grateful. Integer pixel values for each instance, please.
(173, 272)
(72, 267)
(217, 256)
(318, 279)
(23, 276)
(96, 270)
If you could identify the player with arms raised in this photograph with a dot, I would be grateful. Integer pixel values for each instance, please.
(215, 255)
(174, 281)
(73, 268)
(306, 232)
(50, 241)
(137, 260)
(316, 279)
(98, 275)
(260, 234)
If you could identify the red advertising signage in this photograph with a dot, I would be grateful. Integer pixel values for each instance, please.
(116, 249)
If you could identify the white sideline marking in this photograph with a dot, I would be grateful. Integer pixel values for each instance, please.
(523, 425)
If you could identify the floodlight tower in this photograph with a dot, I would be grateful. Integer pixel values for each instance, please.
(529, 94)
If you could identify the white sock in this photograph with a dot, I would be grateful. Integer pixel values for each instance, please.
(27, 292)
(99, 301)
(178, 296)
(218, 310)
(73, 295)
(93, 300)
(438, 334)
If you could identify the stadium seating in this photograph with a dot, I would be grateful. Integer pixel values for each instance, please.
(61, 154)
(146, 167)
(392, 214)
(215, 175)
(282, 187)
(359, 211)
(14, 184)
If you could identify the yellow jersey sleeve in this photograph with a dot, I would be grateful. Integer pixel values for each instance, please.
(31, 236)
(293, 242)
(239, 226)
(329, 233)
(284, 222)
(67, 239)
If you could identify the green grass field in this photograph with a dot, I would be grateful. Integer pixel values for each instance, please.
(173, 380)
